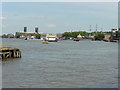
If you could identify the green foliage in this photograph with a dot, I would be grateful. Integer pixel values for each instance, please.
(109, 32)
(67, 34)
(4, 36)
(17, 36)
(38, 36)
(99, 36)
(75, 34)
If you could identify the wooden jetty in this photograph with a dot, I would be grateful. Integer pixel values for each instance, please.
(116, 41)
(6, 52)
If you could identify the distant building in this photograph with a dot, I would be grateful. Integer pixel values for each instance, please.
(79, 37)
(43, 36)
(115, 34)
(10, 35)
(59, 35)
(107, 37)
(27, 34)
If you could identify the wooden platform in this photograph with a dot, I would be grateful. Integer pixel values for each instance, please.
(6, 52)
(116, 41)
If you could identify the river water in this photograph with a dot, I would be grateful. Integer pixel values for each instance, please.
(63, 64)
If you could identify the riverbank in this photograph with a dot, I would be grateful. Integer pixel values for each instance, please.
(115, 41)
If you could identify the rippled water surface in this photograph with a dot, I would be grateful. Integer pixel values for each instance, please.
(63, 64)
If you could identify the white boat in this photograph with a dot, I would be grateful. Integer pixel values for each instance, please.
(51, 38)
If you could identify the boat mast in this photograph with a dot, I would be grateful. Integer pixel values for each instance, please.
(96, 28)
(90, 30)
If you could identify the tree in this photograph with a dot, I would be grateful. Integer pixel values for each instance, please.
(75, 34)
(99, 36)
(17, 35)
(67, 34)
(4, 36)
(38, 36)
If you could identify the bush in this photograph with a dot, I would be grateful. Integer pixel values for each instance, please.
(75, 34)
(38, 36)
(17, 36)
(4, 36)
(99, 36)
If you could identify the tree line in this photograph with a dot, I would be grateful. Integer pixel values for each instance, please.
(97, 35)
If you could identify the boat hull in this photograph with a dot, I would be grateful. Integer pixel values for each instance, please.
(45, 42)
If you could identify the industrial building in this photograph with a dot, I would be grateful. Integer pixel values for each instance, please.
(25, 33)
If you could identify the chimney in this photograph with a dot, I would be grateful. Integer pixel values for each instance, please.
(25, 29)
(36, 29)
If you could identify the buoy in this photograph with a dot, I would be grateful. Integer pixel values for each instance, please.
(45, 42)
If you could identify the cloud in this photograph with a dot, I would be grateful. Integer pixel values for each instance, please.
(2, 18)
(51, 25)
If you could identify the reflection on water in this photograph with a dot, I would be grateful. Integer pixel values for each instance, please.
(84, 64)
